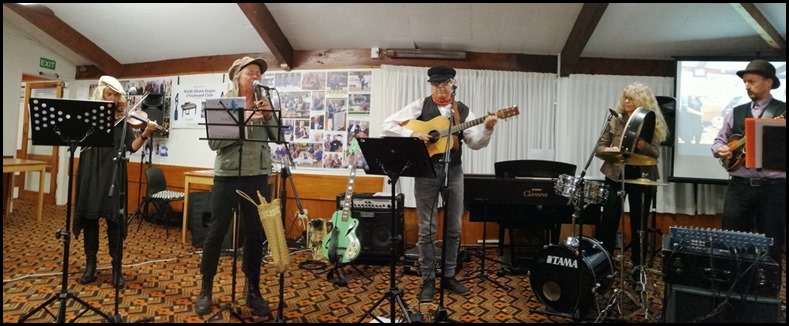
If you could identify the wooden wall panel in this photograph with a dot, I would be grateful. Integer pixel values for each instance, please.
(318, 194)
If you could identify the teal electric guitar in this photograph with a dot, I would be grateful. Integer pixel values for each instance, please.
(342, 246)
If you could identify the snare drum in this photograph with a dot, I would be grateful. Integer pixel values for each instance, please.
(555, 277)
(594, 192)
(565, 185)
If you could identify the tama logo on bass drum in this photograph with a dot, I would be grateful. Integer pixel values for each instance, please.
(562, 261)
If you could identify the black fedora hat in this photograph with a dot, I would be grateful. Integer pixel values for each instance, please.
(763, 68)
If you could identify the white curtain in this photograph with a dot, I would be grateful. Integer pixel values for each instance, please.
(560, 119)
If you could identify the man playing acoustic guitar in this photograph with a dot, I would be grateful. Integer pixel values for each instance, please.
(414, 121)
(754, 197)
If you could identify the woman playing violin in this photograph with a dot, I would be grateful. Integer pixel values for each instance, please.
(94, 180)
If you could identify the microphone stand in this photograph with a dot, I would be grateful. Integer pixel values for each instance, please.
(120, 211)
(441, 311)
(614, 301)
(285, 173)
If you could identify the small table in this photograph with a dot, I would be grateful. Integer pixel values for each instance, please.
(202, 177)
(12, 165)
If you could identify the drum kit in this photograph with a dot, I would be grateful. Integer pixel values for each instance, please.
(572, 279)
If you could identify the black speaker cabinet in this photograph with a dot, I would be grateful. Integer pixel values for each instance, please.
(200, 215)
(685, 304)
(375, 225)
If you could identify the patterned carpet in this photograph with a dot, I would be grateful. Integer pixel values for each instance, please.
(163, 281)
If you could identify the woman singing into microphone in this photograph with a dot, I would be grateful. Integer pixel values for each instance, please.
(246, 170)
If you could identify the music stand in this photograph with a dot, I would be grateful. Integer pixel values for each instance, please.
(479, 191)
(225, 121)
(395, 157)
(74, 123)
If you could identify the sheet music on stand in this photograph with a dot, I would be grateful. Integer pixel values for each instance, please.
(57, 121)
(222, 116)
(395, 153)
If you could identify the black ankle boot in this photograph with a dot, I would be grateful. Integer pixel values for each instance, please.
(203, 304)
(90, 271)
(117, 276)
(117, 279)
(255, 300)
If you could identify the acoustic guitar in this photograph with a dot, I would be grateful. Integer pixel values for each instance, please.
(342, 245)
(438, 128)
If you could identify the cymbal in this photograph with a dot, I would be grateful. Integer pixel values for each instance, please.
(645, 182)
(633, 159)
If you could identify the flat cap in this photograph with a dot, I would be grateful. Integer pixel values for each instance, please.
(440, 73)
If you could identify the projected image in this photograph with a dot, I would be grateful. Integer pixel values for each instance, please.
(707, 91)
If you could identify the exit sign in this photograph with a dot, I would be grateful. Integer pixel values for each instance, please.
(46, 63)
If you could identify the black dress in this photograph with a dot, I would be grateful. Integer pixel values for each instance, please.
(94, 178)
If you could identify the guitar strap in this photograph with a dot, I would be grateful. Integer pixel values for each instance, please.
(456, 115)
(768, 112)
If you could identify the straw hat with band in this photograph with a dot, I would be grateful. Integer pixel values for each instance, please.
(243, 62)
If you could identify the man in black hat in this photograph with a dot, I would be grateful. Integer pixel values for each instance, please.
(755, 198)
(417, 119)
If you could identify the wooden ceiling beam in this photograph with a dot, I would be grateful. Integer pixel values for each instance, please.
(263, 22)
(46, 20)
(587, 21)
(360, 58)
(767, 31)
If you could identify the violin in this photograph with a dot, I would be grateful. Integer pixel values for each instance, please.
(135, 117)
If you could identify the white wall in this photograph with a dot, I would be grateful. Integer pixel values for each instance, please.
(21, 55)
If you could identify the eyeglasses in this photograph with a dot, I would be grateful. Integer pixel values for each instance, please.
(443, 83)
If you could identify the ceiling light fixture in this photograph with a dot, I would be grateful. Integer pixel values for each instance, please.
(425, 54)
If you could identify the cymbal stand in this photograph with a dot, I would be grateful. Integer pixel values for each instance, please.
(641, 283)
(615, 301)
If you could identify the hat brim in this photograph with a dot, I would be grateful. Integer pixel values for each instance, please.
(112, 83)
(776, 81)
(237, 66)
(439, 78)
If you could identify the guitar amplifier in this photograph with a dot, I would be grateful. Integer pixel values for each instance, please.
(374, 214)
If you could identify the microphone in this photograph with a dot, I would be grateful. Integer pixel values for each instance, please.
(257, 84)
(615, 114)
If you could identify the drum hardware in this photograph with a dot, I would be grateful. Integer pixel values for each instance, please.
(640, 282)
(583, 258)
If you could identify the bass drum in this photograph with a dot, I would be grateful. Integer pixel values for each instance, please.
(555, 276)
